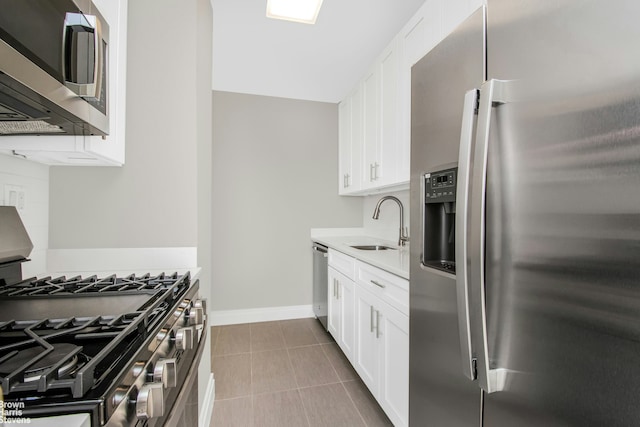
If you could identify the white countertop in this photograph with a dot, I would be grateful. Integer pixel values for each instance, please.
(394, 261)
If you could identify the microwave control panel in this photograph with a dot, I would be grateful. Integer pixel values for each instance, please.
(440, 186)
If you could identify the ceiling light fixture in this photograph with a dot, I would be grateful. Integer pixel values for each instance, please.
(305, 11)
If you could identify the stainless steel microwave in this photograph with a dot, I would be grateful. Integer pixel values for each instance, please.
(53, 68)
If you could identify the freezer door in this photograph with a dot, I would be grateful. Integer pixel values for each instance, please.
(562, 249)
(439, 393)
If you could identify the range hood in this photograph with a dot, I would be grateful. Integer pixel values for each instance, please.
(15, 245)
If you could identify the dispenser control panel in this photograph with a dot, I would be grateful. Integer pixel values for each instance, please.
(440, 186)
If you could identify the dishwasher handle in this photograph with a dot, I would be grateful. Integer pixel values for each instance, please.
(320, 249)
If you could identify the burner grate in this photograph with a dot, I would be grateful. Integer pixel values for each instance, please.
(36, 355)
(72, 353)
(89, 285)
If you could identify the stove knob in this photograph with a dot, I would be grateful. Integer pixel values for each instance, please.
(165, 372)
(200, 303)
(196, 316)
(184, 338)
(119, 395)
(150, 401)
(164, 332)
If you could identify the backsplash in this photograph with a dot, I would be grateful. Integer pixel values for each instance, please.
(32, 179)
(388, 223)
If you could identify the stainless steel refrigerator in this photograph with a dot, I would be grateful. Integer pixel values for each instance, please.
(525, 186)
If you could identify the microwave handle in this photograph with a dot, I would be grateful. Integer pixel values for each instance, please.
(79, 22)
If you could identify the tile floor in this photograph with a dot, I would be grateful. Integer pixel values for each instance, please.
(287, 373)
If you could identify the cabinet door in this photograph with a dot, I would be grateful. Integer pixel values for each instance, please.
(347, 310)
(355, 179)
(391, 150)
(370, 128)
(344, 145)
(394, 363)
(367, 354)
(350, 142)
(333, 307)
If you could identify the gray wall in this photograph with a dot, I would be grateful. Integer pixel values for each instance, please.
(275, 172)
(151, 201)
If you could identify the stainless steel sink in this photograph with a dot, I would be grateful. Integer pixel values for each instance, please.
(373, 248)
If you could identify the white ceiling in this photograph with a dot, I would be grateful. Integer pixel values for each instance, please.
(321, 62)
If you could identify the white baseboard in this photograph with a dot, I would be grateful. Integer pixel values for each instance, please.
(266, 314)
(207, 404)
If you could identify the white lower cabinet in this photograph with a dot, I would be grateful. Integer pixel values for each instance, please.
(340, 311)
(382, 353)
(368, 315)
(367, 355)
(394, 364)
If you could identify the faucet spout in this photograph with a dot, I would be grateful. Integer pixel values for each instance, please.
(403, 236)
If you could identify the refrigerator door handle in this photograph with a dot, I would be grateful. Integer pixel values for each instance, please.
(492, 93)
(462, 217)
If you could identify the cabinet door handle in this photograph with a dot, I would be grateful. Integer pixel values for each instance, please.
(348, 180)
(371, 318)
(337, 289)
(377, 323)
(380, 285)
(371, 172)
(375, 170)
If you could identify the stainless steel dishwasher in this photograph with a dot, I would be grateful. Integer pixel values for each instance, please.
(320, 293)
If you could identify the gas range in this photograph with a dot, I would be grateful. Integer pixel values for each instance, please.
(76, 345)
(121, 350)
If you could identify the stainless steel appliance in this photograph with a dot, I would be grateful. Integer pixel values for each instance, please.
(320, 283)
(124, 350)
(439, 394)
(539, 324)
(53, 68)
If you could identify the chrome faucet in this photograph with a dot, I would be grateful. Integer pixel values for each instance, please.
(403, 237)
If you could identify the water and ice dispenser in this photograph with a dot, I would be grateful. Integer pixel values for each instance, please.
(439, 219)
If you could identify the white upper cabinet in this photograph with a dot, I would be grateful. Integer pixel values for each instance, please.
(382, 150)
(89, 150)
(350, 143)
(386, 101)
(370, 128)
(390, 149)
